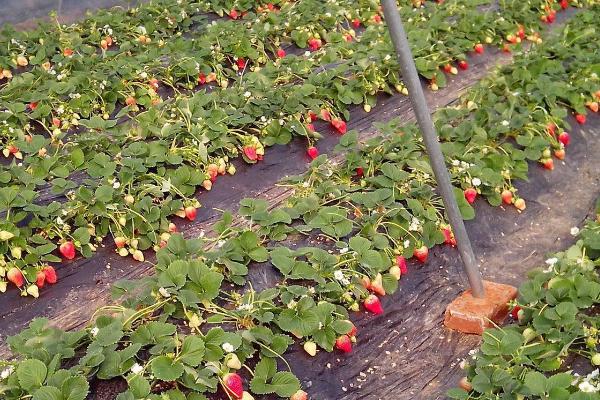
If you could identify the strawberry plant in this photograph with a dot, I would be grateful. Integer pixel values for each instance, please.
(551, 351)
(63, 139)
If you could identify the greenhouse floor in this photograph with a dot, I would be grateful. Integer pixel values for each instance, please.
(406, 351)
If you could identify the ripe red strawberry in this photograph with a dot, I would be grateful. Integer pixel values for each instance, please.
(349, 38)
(448, 236)
(67, 249)
(312, 152)
(580, 118)
(462, 64)
(314, 44)
(250, 153)
(33, 105)
(325, 115)
(421, 253)
(280, 53)
(377, 285)
(401, 262)
(564, 138)
(344, 344)
(507, 196)
(67, 52)
(360, 172)
(521, 32)
(233, 385)
(515, 312)
(50, 274)
(377, 18)
(356, 23)
(372, 304)
(564, 4)
(299, 395)
(551, 17)
(551, 128)
(201, 78)
(339, 125)
(560, 154)
(313, 116)
(233, 14)
(478, 48)
(310, 127)
(241, 63)
(190, 213)
(470, 195)
(120, 242)
(15, 276)
(353, 330)
(40, 279)
(56, 122)
(548, 163)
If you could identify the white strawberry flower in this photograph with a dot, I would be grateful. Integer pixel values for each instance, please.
(163, 292)
(552, 261)
(137, 368)
(247, 94)
(7, 372)
(339, 275)
(587, 387)
(227, 347)
(574, 231)
(94, 331)
(505, 123)
(476, 181)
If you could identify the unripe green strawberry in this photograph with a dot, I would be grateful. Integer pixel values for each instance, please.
(310, 348)
(33, 291)
(233, 361)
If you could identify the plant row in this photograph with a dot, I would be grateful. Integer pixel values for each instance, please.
(71, 187)
(551, 351)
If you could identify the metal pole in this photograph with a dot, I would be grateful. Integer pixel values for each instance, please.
(417, 98)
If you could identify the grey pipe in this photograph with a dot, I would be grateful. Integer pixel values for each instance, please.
(436, 158)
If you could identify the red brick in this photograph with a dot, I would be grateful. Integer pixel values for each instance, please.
(468, 314)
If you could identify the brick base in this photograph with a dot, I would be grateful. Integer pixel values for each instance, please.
(468, 314)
